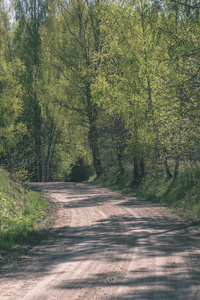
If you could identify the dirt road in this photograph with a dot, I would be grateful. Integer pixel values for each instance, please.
(108, 246)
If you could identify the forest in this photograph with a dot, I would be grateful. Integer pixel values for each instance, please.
(92, 86)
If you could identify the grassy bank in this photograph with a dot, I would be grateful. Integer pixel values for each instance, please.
(24, 216)
(182, 195)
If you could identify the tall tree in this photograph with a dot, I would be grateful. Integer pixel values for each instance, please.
(30, 15)
(11, 127)
(119, 87)
(74, 41)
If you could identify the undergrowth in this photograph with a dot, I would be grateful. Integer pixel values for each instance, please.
(24, 216)
(181, 195)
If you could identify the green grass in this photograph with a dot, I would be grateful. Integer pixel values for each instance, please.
(24, 215)
(182, 195)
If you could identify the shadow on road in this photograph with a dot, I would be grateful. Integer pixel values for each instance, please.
(114, 239)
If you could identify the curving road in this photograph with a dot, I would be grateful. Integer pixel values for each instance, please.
(108, 246)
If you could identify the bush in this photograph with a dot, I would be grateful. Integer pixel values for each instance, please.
(80, 171)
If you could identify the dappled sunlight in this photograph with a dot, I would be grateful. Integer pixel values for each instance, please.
(102, 244)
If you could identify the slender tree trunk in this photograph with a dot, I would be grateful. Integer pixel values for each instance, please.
(92, 110)
(142, 168)
(155, 129)
(119, 160)
(150, 104)
(50, 143)
(38, 139)
(93, 134)
(177, 162)
(93, 140)
(177, 159)
(167, 170)
(136, 174)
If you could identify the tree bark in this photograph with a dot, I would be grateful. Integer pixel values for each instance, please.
(151, 110)
(138, 172)
(119, 160)
(176, 168)
(38, 139)
(93, 140)
(92, 112)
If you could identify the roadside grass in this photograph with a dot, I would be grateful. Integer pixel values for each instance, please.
(24, 217)
(181, 196)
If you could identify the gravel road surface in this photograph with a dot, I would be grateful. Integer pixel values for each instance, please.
(107, 246)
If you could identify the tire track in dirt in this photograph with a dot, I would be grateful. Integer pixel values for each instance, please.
(107, 246)
(165, 261)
